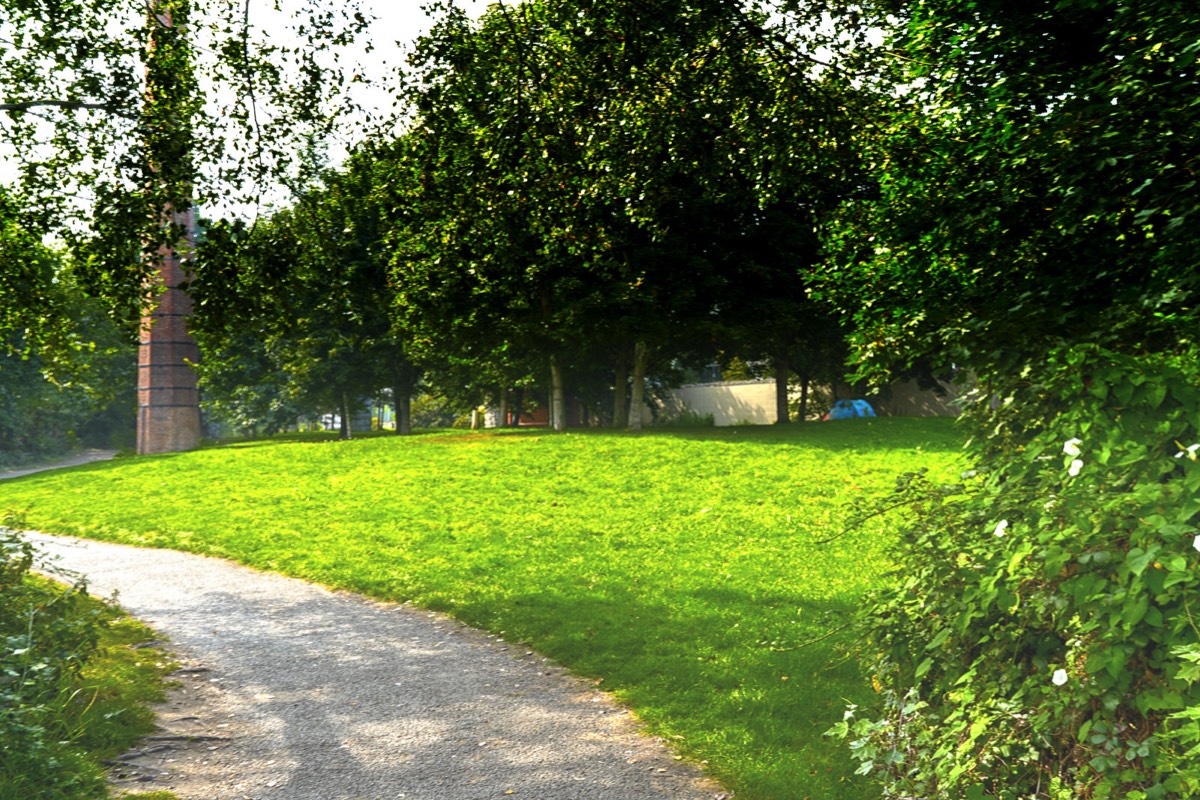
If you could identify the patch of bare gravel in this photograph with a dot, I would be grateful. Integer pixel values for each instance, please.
(293, 692)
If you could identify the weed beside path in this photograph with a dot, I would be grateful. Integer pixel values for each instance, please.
(683, 570)
(79, 678)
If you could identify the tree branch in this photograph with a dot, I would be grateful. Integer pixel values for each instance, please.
(28, 105)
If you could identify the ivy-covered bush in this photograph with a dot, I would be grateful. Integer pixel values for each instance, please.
(1042, 639)
(47, 635)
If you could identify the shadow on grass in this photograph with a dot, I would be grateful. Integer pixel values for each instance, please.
(725, 686)
(934, 435)
(931, 434)
(332, 437)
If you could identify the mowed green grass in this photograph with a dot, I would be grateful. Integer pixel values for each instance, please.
(704, 577)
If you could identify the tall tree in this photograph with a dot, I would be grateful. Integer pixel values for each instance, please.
(588, 167)
(1036, 181)
(312, 282)
(99, 100)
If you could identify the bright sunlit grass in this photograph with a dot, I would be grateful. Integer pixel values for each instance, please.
(685, 569)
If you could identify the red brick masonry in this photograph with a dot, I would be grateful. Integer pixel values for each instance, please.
(168, 400)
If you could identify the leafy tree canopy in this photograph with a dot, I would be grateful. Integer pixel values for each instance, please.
(1037, 182)
(589, 175)
(113, 112)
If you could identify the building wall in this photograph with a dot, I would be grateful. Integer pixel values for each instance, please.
(729, 402)
(753, 402)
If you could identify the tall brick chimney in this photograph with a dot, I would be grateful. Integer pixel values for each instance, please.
(168, 418)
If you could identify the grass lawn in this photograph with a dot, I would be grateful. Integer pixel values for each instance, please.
(683, 569)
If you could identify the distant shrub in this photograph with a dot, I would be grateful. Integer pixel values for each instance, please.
(435, 411)
(687, 418)
(738, 370)
(820, 400)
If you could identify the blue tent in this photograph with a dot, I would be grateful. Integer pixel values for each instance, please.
(846, 409)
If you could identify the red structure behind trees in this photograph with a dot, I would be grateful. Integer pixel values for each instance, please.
(167, 394)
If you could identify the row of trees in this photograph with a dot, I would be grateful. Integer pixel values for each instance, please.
(587, 191)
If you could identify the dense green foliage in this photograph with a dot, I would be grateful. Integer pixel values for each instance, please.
(61, 385)
(698, 573)
(1036, 184)
(325, 339)
(1033, 226)
(42, 418)
(71, 690)
(46, 642)
(611, 185)
(573, 198)
(1043, 643)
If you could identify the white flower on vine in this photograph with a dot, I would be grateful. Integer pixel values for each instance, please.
(1075, 467)
(1190, 452)
(1196, 542)
(1059, 678)
(1071, 447)
(1001, 527)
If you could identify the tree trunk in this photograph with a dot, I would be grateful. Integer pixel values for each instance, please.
(558, 415)
(782, 371)
(475, 419)
(402, 399)
(637, 399)
(503, 409)
(344, 431)
(404, 381)
(805, 380)
(518, 409)
(620, 391)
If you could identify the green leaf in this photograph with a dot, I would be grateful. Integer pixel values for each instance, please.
(1156, 393)
(1135, 609)
(1137, 559)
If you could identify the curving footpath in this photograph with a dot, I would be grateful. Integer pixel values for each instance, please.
(84, 457)
(294, 692)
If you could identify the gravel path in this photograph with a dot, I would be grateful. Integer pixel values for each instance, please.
(293, 692)
(85, 457)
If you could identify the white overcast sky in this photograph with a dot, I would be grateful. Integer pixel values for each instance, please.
(404, 20)
(396, 21)
(395, 26)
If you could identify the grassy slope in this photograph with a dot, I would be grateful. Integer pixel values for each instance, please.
(685, 569)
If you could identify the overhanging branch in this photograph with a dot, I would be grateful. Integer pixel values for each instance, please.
(72, 105)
